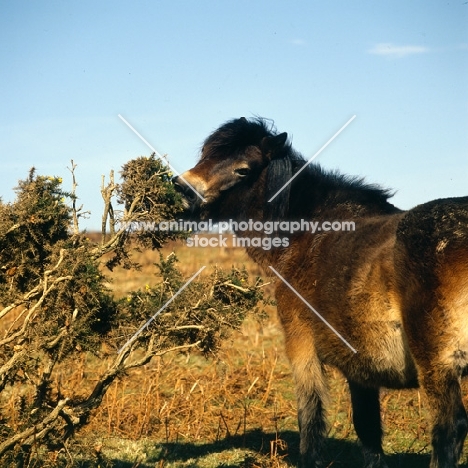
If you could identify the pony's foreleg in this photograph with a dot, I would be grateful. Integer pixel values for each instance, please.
(450, 422)
(367, 422)
(310, 393)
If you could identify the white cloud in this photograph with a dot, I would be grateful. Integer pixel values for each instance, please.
(390, 50)
(298, 42)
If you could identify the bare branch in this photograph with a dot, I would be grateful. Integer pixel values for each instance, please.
(107, 193)
(76, 228)
(47, 424)
(45, 292)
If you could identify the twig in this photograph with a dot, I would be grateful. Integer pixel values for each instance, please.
(107, 193)
(39, 430)
(27, 297)
(118, 238)
(76, 229)
(13, 228)
(228, 283)
(45, 292)
(19, 354)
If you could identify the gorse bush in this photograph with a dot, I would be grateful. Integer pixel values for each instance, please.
(56, 307)
(29, 231)
(206, 312)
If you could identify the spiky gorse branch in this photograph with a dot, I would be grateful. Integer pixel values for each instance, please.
(145, 194)
(55, 306)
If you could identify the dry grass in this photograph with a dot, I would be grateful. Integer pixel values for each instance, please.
(233, 410)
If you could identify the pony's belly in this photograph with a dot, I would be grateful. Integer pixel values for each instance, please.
(383, 359)
(390, 359)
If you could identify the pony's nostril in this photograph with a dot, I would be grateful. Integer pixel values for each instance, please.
(178, 185)
(190, 195)
(185, 189)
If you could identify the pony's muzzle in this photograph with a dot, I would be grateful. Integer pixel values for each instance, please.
(191, 197)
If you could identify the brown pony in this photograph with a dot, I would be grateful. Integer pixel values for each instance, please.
(386, 302)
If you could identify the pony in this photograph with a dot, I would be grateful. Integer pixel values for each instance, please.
(386, 303)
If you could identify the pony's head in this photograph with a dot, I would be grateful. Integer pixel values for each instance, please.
(242, 165)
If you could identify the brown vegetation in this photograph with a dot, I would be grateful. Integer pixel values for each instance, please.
(59, 315)
(203, 407)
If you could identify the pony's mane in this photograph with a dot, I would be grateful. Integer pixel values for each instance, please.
(346, 187)
(236, 135)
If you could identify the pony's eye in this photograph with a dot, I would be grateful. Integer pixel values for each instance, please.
(242, 171)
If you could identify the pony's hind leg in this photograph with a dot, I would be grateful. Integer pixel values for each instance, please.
(431, 256)
(450, 421)
(439, 353)
(437, 330)
(367, 423)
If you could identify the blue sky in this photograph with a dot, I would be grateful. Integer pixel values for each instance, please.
(176, 70)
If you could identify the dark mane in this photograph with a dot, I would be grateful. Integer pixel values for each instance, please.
(337, 188)
(236, 135)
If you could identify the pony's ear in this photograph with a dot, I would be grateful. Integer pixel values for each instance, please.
(272, 146)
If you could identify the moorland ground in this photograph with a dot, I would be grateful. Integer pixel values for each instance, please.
(235, 409)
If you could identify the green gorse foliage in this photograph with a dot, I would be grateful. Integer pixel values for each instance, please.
(56, 307)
